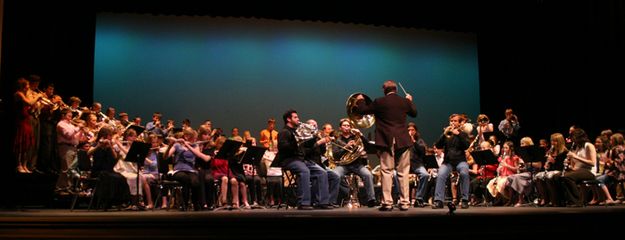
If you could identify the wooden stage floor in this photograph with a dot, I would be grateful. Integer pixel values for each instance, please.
(343, 223)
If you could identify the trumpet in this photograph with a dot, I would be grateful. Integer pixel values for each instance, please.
(449, 131)
(104, 117)
(45, 101)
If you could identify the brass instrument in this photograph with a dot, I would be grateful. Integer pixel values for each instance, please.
(104, 117)
(328, 153)
(45, 101)
(353, 152)
(305, 132)
(448, 131)
(358, 120)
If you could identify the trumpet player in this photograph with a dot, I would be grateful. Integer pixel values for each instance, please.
(509, 126)
(347, 141)
(155, 126)
(67, 138)
(455, 142)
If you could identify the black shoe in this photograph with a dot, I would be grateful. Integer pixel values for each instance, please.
(464, 204)
(403, 207)
(304, 207)
(437, 205)
(335, 205)
(324, 206)
(386, 208)
(419, 204)
(372, 203)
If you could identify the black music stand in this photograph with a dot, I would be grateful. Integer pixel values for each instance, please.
(228, 149)
(488, 134)
(429, 161)
(484, 157)
(137, 128)
(253, 156)
(227, 152)
(136, 154)
(532, 154)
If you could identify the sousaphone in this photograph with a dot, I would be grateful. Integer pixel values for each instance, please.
(358, 120)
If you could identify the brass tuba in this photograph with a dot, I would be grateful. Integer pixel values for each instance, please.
(353, 152)
(358, 120)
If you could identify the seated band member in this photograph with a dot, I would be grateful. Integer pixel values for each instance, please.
(548, 182)
(485, 173)
(129, 171)
(581, 159)
(185, 151)
(416, 163)
(291, 156)
(228, 178)
(313, 151)
(348, 139)
(455, 142)
(509, 164)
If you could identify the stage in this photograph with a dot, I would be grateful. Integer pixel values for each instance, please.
(362, 223)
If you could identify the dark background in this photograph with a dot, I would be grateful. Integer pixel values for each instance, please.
(529, 53)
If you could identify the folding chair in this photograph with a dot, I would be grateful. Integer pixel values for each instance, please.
(85, 182)
(288, 190)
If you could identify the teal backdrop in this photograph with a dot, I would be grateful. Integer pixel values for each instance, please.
(238, 72)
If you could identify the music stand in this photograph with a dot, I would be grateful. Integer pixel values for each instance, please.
(484, 157)
(136, 154)
(227, 152)
(137, 128)
(429, 161)
(488, 134)
(532, 153)
(228, 149)
(253, 156)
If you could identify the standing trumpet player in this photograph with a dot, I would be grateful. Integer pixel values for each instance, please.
(509, 127)
(392, 140)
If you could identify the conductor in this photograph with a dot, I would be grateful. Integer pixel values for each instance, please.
(392, 140)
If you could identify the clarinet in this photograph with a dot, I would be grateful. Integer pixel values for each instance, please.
(567, 163)
(546, 167)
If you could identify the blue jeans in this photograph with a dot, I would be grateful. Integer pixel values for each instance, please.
(305, 171)
(423, 176)
(361, 171)
(333, 187)
(443, 173)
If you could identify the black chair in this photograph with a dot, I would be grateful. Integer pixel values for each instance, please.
(586, 185)
(288, 189)
(165, 184)
(85, 185)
